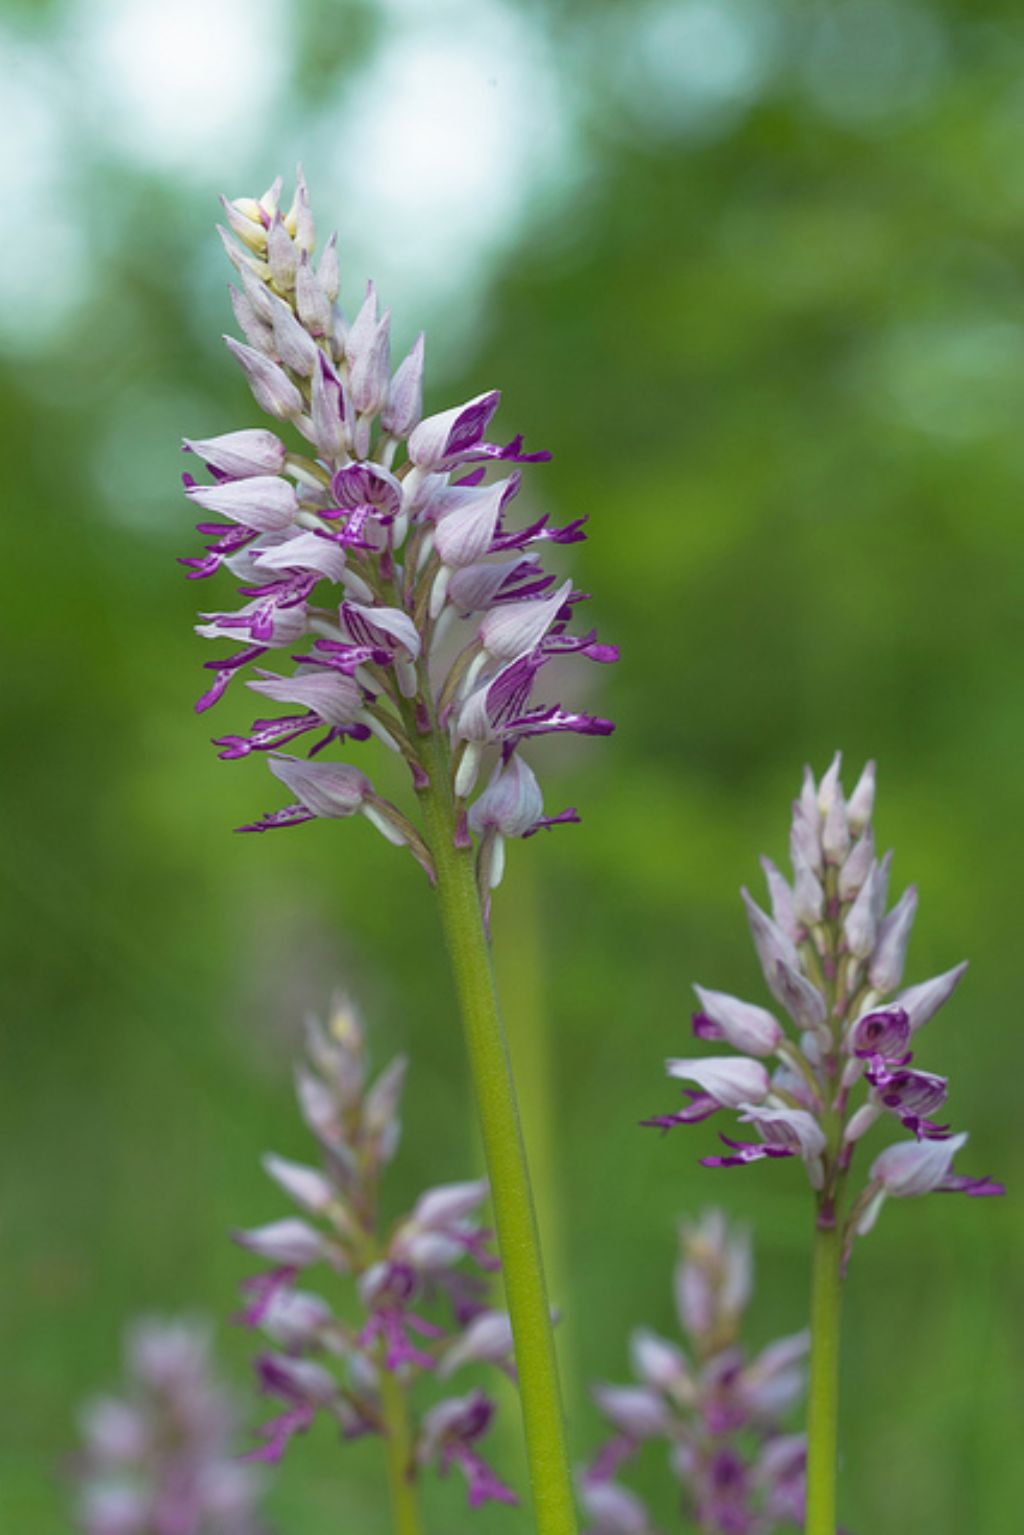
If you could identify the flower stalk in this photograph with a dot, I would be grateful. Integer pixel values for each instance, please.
(388, 551)
(515, 1217)
(833, 958)
(823, 1393)
(399, 1440)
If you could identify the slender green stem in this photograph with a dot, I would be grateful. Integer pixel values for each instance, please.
(823, 1404)
(518, 1241)
(399, 1448)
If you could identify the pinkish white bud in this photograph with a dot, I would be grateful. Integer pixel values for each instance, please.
(299, 218)
(261, 501)
(255, 330)
(306, 1185)
(464, 535)
(327, 269)
(296, 348)
(515, 628)
(404, 404)
(438, 441)
(311, 302)
(830, 789)
(337, 699)
(922, 1002)
(781, 897)
(660, 1364)
(743, 1025)
(800, 997)
(613, 1510)
(857, 867)
(887, 960)
(729, 1079)
(241, 454)
(282, 256)
(808, 898)
(860, 928)
(327, 411)
(772, 945)
(271, 387)
(449, 1203)
(909, 1168)
(291, 1242)
(511, 804)
(331, 789)
(634, 1410)
(487, 1340)
(862, 801)
(835, 833)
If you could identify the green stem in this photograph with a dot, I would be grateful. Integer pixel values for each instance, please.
(823, 1403)
(518, 1241)
(399, 1448)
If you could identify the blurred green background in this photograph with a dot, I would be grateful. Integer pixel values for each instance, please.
(754, 272)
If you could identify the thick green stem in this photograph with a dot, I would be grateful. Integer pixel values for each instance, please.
(399, 1447)
(516, 1222)
(823, 1404)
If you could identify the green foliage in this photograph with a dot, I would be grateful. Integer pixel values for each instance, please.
(779, 357)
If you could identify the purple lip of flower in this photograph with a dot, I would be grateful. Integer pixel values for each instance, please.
(883, 1033)
(268, 735)
(451, 1431)
(392, 1325)
(911, 1095)
(701, 1106)
(263, 1288)
(747, 1151)
(977, 1188)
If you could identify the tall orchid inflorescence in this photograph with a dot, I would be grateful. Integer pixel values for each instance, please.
(437, 1258)
(833, 959)
(384, 549)
(720, 1413)
(163, 1457)
(383, 545)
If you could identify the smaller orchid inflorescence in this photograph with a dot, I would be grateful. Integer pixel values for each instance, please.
(833, 959)
(385, 547)
(437, 1258)
(163, 1456)
(720, 1413)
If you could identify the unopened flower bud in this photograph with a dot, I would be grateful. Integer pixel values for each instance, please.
(890, 951)
(271, 387)
(404, 404)
(862, 801)
(292, 1242)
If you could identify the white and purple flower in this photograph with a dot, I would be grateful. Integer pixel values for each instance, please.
(375, 543)
(832, 958)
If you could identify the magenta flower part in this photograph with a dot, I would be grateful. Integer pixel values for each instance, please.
(385, 546)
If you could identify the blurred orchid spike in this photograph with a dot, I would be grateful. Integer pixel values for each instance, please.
(419, 1287)
(719, 1410)
(163, 1455)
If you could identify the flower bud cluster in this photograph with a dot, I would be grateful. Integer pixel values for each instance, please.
(833, 959)
(162, 1457)
(385, 548)
(719, 1412)
(412, 1299)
